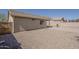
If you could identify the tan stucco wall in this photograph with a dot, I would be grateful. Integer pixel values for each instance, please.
(54, 23)
(22, 24)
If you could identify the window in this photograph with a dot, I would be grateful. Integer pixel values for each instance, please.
(41, 22)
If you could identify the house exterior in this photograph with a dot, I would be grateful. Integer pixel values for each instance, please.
(54, 21)
(22, 22)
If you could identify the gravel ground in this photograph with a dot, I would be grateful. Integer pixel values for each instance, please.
(48, 39)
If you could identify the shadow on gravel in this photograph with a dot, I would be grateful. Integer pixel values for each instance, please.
(8, 41)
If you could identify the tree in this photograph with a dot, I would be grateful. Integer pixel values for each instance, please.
(2, 17)
(63, 19)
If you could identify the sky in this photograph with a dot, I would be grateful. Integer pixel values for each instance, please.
(67, 13)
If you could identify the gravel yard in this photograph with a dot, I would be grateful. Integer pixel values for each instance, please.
(48, 39)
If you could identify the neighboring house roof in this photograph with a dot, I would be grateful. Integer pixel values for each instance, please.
(57, 18)
(20, 14)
